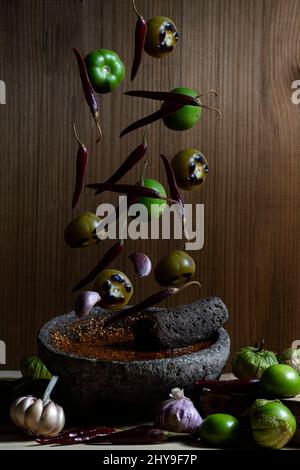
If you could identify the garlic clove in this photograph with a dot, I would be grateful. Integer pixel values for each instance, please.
(49, 419)
(141, 263)
(18, 409)
(85, 301)
(33, 415)
(60, 421)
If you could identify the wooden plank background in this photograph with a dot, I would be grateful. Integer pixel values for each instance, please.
(249, 50)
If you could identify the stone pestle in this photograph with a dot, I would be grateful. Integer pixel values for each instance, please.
(163, 328)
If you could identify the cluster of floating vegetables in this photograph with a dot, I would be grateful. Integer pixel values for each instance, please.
(102, 71)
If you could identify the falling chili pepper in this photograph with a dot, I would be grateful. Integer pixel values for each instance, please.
(81, 164)
(139, 435)
(108, 258)
(154, 299)
(170, 97)
(138, 190)
(136, 155)
(174, 190)
(163, 112)
(139, 41)
(75, 436)
(89, 93)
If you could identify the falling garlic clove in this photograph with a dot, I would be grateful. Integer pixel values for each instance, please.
(141, 263)
(85, 301)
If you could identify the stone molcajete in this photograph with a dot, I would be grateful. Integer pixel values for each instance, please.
(97, 365)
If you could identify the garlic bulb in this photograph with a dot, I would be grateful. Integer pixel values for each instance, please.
(38, 417)
(178, 414)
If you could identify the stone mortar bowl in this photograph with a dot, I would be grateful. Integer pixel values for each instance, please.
(85, 383)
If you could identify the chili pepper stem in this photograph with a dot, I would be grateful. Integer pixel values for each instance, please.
(141, 180)
(97, 122)
(260, 347)
(136, 10)
(76, 135)
(208, 92)
(186, 233)
(191, 283)
(49, 389)
(144, 141)
(211, 108)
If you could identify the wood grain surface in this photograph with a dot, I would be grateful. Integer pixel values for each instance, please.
(249, 50)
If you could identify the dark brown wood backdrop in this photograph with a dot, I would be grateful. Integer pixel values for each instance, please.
(249, 50)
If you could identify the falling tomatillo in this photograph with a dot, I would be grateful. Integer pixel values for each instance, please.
(155, 207)
(175, 269)
(190, 168)
(161, 38)
(187, 116)
(82, 231)
(105, 69)
(115, 289)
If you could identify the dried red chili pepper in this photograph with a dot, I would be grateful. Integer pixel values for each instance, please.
(165, 111)
(81, 165)
(139, 41)
(174, 190)
(228, 386)
(154, 299)
(89, 93)
(128, 189)
(108, 258)
(75, 436)
(138, 435)
(165, 96)
(136, 155)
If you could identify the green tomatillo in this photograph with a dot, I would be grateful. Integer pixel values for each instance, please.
(155, 207)
(33, 366)
(219, 429)
(82, 231)
(161, 38)
(190, 168)
(115, 289)
(272, 424)
(105, 69)
(251, 361)
(280, 380)
(175, 269)
(291, 357)
(187, 116)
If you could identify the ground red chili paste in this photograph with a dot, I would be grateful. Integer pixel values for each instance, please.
(87, 338)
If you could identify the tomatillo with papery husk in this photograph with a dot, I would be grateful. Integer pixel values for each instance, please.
(272, 424)
(33, 366)
(251, 361)
(190, 168)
